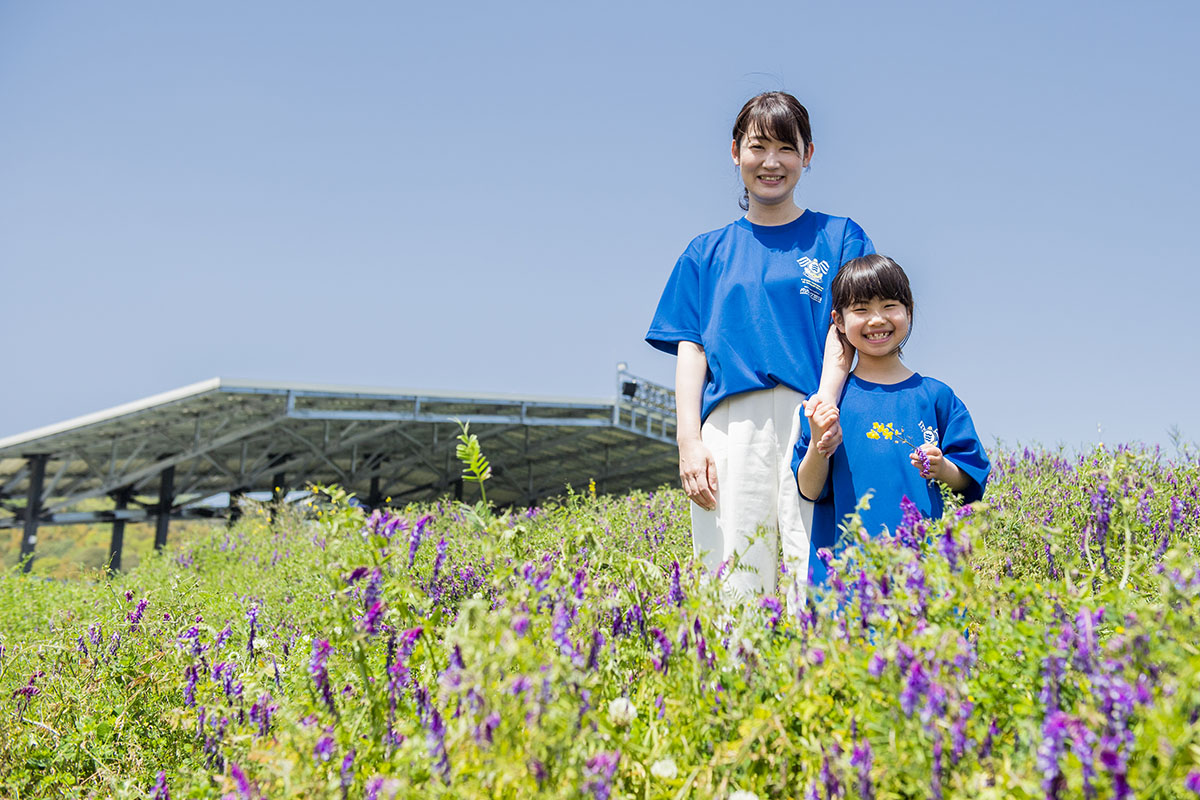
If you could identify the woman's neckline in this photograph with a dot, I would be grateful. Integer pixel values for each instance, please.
(804, 212)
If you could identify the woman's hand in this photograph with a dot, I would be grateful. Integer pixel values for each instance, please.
(698, 473)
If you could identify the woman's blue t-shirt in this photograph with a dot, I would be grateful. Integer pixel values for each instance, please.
(756, 298)
(926, 410)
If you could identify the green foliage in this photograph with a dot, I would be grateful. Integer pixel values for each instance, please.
(577, 651)
(475, 466)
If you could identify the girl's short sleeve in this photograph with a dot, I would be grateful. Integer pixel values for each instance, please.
(677, 318)
(961, 445)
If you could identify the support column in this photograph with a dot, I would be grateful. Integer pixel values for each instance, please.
(33, 508)
(458, 489)
(120, 503)
(235, 505)
(279, 491)
(166, 499)
(375, 495)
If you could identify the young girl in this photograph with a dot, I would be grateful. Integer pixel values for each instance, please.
(902, 433)
(746, 310)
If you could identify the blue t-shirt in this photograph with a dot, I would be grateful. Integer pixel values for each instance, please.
(757, 299)
(926, 410)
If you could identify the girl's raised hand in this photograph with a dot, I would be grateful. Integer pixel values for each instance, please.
(824, 419)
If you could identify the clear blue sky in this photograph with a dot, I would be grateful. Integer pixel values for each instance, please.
(489, 196)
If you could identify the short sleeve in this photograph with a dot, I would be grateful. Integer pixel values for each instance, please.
(798, 455)
(856, 242)
(677, 318)
(961, 445)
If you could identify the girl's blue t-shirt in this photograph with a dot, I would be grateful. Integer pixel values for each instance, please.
(756, 298)
(925, 410)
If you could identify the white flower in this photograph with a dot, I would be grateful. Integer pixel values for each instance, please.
(664, 768)
(742, 794)
(621, 712)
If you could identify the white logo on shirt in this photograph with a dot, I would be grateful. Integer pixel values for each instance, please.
(814, 276)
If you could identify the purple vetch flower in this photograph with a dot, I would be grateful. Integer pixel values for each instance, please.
(435, 735)
(135, 616)
(579, 584)
(774, 607)
(861, 759)
(916, 684)
(318, 668)
(935, 703)
(1054, 731)
(833, 787)
(485, 730)
(1052, 675)
(877, 664)
(664, 647)
(538, 770)
(1192, 782)
(560, 628)
(520, 625)
(347, 773)
(909, 531)
(1085, 639)
(439, 559)
(371, 790)
(223, 637)
(949, 547)
(261, 713)
(958, 733)
(192, 673)
(128, 596)
(323, 750)
(598, 773)
(414, 540)
(80, 645)
(369, 623)
(985, 747)
(593, 657)
(96, 633)
(675, 594)
(816, 656)
(114, 643)
(241, 782)
(926, 467)
(160, 790)
(252, 618)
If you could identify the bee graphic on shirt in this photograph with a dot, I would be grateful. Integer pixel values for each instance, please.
(929, 432)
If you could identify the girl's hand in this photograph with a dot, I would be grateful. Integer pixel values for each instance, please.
(824, 420)
(698, 473)
(931, 465)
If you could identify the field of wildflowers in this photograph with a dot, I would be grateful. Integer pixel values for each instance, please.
(1040, 644)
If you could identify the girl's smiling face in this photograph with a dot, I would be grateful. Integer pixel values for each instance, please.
(769, 167)
(876, 328)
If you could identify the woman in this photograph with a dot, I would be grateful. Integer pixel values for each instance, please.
(747, 312)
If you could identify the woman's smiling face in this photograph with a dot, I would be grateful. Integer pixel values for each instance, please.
(770, 168)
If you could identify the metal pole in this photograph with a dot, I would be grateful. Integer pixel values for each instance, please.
(33, 507)
(375, 496)
(120, 503)
(278, 492)
(166, 499)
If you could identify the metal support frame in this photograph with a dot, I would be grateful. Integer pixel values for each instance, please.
(166, 498)
(121, 499)
(33, 508)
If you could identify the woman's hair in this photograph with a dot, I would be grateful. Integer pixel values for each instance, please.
(777, 115)
(861, 279)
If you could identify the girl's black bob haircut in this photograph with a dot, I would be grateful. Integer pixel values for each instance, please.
(867, 277)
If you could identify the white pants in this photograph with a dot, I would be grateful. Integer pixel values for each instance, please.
(759, 510)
